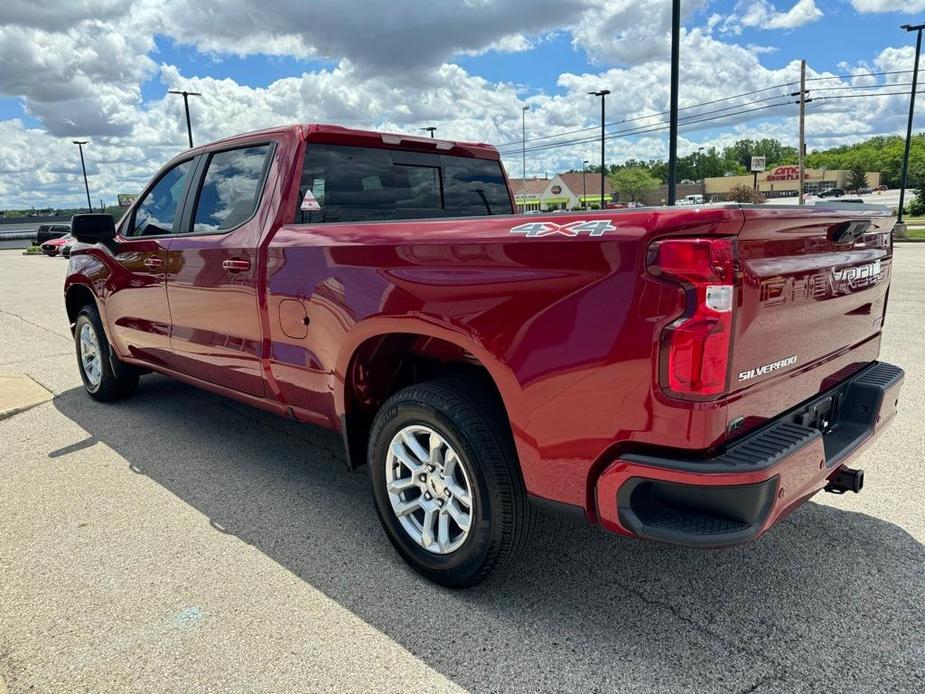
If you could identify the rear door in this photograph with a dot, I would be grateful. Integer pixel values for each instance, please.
(212, 271)
(137, 307)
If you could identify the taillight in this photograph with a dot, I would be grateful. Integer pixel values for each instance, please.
(694, 359)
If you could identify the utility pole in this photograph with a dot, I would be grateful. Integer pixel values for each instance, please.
(186, 95)
(802, 129)
(603, 94)
(584, 186)
(430, 129)
(915, 81)
(523, 128)
(80, 144)
(703, 185)
(802, 143)
(673, 106)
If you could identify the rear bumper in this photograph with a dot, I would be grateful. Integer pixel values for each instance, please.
(736, 495)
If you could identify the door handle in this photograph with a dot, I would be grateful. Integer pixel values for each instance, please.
(236, 265)
(154, 263)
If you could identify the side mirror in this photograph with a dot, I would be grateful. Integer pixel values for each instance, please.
(93, 228)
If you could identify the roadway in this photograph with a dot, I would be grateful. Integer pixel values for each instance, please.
(179, 542)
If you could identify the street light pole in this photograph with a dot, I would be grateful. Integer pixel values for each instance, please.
(673, 105)
(915, 80)
(523, 142)
(430, 129)
(80, 145)
(603, 94)
(584, 187)
(186, 95)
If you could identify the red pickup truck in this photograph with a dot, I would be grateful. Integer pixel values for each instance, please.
(686, 375)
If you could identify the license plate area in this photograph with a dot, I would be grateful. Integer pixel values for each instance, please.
(821, 414)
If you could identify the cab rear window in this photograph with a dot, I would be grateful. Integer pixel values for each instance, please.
(354, 184)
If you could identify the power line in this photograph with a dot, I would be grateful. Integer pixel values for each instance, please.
(859, 96)
(698, 118)
(860, 74)
(692, 118)
(649, 115)
(726, 98)
(863, 86)
(653, 128)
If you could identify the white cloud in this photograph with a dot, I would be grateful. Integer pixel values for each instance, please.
(395, 38)
(81, 73)
(513, 43)
(628, 32)
(57, 16)
(906, 6)
(761, 14)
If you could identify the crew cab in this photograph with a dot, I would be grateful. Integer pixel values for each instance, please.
(684, 375)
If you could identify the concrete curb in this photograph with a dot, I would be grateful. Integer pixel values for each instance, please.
(19, 393)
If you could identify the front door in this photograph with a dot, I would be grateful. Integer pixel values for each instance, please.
(137, 310)
(212, 272)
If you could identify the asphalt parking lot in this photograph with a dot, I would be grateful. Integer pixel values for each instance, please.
(179, 542)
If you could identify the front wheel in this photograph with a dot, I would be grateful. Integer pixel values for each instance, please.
(446, 482)
(93, 360)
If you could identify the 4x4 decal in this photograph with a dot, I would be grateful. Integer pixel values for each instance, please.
(596, 227)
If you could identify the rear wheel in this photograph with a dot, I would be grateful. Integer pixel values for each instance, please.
(93, 360)
(446, 483)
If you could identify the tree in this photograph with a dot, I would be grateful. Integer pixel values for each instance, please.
(857, 177)
(745, 194)
(635, 182)
(740, 153)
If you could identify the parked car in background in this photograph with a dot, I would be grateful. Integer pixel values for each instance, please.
(54, 246)
(690, 200)
(688, 376)
(832, 193)
(881, 188)
(46, 232)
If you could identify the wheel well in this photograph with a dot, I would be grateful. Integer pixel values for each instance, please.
(383, 365)
(78, 296)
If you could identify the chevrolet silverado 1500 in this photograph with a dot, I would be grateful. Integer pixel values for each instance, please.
(686, 375)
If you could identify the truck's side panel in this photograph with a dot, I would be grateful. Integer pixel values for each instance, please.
(564, 325)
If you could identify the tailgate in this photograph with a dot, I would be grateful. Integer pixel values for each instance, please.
(813, 295)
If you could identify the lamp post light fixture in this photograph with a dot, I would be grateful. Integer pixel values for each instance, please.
(430, 129)
(523, 142)
(603, 94)
(186, 95)
(915, 82)
(80, 145)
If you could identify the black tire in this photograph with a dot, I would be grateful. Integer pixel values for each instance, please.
(475, 426)
(111, 385)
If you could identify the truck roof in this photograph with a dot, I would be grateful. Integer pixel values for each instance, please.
(339, 135)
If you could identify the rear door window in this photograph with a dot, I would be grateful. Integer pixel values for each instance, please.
(231, 188)
(352, 184)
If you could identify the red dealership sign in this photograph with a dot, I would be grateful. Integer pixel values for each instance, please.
(785, 173)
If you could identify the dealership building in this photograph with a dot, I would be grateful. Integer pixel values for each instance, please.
(783, 181)
(564, 191)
